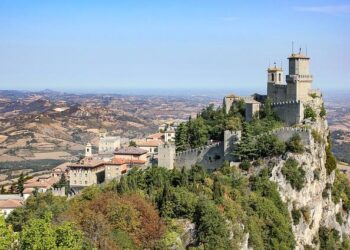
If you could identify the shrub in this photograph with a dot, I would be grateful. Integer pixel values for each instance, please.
(339, 218)
(323, 111)
(245, 165)
(270, 145)
(317, 174)
(294, 174)
(296, 215)
(306, 214)
(331, 162)
(329, 238)
(295, 144)
(341, 190)
(317, 136)
(313, 95)
(309, 113)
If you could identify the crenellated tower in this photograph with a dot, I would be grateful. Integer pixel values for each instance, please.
(299, 79)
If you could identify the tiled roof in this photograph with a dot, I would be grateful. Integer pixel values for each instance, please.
(152, 143)
(119, 161)
(87, 162)
(10, 203)
(156, 136)
(62, 167)
(37, 182)
(130, 151)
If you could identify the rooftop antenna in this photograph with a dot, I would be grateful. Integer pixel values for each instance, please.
(306, 50)
(300, 50)
(274, 63)
(281, 64)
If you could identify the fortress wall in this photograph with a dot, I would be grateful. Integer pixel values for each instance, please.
(209, 157)
(286, 133)
(291, 112)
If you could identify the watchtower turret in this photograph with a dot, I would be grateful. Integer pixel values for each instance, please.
(276, 89)
(299, 79)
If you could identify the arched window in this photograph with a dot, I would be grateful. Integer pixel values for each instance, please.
(272, 77)
(279, 77)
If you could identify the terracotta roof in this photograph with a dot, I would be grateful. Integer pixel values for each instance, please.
(87, 162)
(28, 190)
(135, 161)
(152, 143)
(10, 203)
(62, 167)
(157, 136)
(37, 182)
(119, 161)
(116, 161)
(130, 151)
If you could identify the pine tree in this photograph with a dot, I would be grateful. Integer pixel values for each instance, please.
(20, 184)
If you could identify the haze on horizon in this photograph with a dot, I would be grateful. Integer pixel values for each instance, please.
(182, 44)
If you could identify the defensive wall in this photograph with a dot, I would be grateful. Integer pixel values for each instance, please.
(291, 112)
(285, 133)
(209, 157)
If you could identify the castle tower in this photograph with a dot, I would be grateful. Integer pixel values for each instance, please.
(88, 150)
(276, 89)
(299, 79)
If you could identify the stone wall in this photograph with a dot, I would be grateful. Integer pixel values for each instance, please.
(285, 133)
(291, 112)
(166, 155)
(209, 157)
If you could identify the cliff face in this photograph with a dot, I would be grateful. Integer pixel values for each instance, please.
(313, 202)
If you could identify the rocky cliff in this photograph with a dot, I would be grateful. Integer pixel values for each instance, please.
(311, 207)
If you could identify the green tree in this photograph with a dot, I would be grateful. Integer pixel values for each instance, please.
(198, 132)
(132, 144)
(38, 234)
(247, 147)
(211, 226)
(67, 237)
(20, 184)
(181, 137)
(2, 190)
(7, 236)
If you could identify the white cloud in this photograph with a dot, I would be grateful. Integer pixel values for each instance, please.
(328, 9)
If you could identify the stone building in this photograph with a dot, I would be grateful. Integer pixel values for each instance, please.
(132, 155)
(151, 146)
(86, 172)
(288, 97)
(108, 144)
(115, 169)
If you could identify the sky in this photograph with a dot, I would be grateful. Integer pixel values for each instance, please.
(163, 45)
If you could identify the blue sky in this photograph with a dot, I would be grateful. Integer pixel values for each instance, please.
(201, 44)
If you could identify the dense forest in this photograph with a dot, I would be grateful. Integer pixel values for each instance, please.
(148, 210)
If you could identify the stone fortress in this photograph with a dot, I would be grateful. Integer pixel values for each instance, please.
(288, 100)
